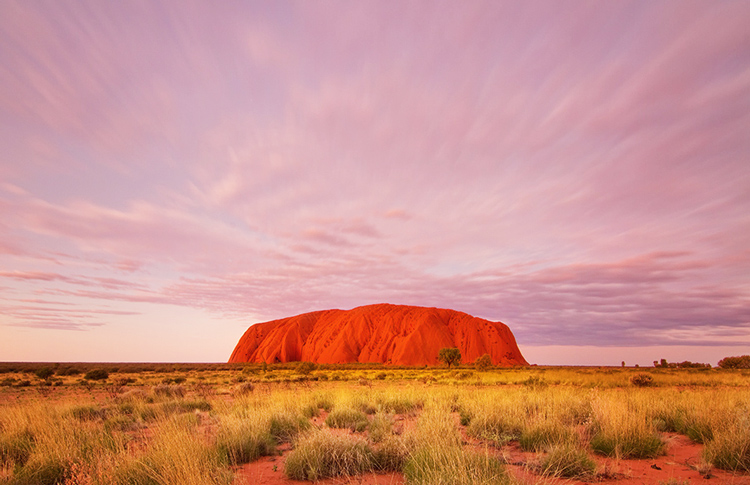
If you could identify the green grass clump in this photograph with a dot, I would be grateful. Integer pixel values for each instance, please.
(286, 424)
(16, 448)
(432, 465)
(730, 447)
(543, 434)
(347, 418)
(321, 454)
(323, 401)
(87, 412)
(380, 427)
(631, 444)
(622, 428)
(177, 455)
(567, 461)
(495, 425)
(398, 404)
(45, 471)
(390, 454)
(243, 440)
(439, 457)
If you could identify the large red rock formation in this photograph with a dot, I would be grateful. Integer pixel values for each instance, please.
(391, 334)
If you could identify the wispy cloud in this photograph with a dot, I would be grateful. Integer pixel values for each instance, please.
(578, 171)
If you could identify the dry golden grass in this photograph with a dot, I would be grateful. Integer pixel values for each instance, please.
(191, 425)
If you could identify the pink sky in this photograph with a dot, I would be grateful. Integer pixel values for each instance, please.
(173, 173)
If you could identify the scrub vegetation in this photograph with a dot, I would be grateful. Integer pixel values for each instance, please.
(200, 424)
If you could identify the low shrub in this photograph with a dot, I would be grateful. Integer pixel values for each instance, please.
(642, 379)
(168, 390)
(44, 372)
(483, 363)
(244, 389)
(96, 375)
(305, 368)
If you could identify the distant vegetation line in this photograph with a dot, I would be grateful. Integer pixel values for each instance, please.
(73, 368)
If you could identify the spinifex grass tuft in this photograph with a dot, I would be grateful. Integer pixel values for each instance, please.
(380, 427)
(567, 460)
(495, 424)
(542, 434)
(347, 418)
(730, 447)
(243, 440)
(322, 454)
(286, 424)
(622, 429)
(439, 458)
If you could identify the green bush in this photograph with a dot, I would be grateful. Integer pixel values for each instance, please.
(44, 372)
(305, 368)
(96, 375)
(483, 363)
(642, 380)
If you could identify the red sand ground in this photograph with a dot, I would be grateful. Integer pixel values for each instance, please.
(390, 334)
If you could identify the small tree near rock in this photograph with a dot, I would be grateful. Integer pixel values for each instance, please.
(483, 363)
(449, 356)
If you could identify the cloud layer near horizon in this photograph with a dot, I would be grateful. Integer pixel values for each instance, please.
(578, 170)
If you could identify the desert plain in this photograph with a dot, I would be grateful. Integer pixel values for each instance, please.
(295, 423)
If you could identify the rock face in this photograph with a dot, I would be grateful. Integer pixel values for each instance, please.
(390, 334)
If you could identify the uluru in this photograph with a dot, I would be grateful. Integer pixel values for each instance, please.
(381, 333)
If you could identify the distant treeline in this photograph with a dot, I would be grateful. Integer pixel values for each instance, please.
(741, 362)
(681, 365)
(74, 368)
